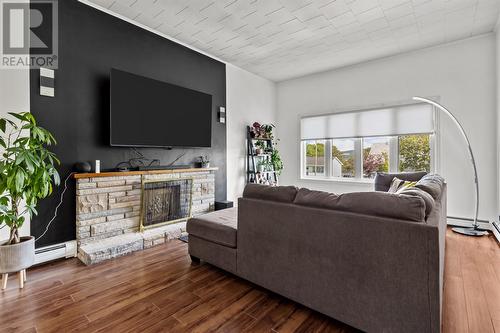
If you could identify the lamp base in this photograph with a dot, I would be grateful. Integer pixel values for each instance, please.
(470, 231)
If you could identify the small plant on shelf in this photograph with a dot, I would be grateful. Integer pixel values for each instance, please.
(265, 166)
(264, 131)
(204, 162)
(267, 129)
(260, 147)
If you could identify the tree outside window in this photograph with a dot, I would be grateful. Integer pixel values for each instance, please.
(414, 153)
(375, 156)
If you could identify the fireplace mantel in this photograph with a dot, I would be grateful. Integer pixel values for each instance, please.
(109, 210)
(144, 172)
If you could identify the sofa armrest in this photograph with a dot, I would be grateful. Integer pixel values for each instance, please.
(376, 274)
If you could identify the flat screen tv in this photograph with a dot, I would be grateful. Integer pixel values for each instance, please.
(150, 113)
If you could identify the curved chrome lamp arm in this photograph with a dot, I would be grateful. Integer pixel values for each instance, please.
(455, 120)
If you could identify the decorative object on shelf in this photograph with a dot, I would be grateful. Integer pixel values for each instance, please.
(27, 175)
(97, 166)
(222, 115)
(475, 230)
(47, 86)
(82, 167)
(203, 162)
(260, 146)
(264, 163)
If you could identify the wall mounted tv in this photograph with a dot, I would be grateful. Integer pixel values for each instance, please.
(150, 113)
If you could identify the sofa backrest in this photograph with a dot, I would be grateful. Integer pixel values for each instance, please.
(273, 193)
(380, 204)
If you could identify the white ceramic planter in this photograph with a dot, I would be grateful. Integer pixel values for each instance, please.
(17, 257)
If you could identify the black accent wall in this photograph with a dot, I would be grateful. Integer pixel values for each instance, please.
(90, 44)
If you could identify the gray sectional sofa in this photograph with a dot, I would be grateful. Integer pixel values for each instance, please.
(373, 260)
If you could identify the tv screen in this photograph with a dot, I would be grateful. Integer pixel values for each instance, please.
(150, 113)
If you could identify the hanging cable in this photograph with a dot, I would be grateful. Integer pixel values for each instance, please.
(57, 207)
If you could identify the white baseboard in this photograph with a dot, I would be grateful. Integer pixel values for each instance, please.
(467, 223)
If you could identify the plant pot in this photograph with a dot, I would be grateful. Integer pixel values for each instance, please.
(205, 164)
(16, 257)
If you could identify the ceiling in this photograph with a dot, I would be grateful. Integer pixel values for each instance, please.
(282, 39)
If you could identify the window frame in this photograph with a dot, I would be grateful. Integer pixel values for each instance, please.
(358, 151)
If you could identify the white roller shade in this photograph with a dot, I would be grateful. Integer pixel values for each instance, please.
(408, 119)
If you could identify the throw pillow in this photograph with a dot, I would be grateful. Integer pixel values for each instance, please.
(395, 185)
(432, 184)
(398, 184)
(416, 192)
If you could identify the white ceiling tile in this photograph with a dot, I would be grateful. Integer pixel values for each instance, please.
(334, 9)
(307, 12)
(403, 21)
(370, 15)
(386, 4)
(104, 3)
(280, 39)
(317, 22)
(344, 19)
(376, 24)
(359, 6)
(430, 7)
(401, 10)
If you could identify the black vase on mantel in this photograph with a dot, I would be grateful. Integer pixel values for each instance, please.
(82, 167)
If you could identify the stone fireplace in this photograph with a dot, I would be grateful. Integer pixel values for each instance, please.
(121, 212)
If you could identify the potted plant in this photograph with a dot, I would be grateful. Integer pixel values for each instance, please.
(260, 146)
(204, 162)
(267, 130)
(255, 130)
(276, 161)
(27, 174)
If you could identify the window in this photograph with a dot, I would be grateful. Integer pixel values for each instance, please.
(414, 153)
(375, 156)
(315, 158)
(363, 143)
(343, 158)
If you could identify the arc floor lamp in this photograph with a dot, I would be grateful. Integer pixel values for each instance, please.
(475, 230)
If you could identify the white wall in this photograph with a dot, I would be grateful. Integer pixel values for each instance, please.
(250, 98)
(497, 57)
(461, 74)
(14, 97)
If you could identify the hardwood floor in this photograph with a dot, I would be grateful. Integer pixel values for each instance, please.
(159, 290)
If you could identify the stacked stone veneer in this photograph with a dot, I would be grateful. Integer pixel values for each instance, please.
(108, 212)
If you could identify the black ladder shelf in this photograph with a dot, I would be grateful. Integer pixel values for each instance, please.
(256, 173)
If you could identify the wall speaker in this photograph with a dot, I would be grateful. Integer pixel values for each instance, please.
(222, 115)
(47, 84)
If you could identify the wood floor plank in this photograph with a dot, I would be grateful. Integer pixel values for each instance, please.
(160, 290)
(478, 314)
(455, 318)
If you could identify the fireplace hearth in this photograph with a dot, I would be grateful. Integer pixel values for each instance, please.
(110, 217)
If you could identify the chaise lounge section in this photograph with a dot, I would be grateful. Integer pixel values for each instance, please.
(373, 260)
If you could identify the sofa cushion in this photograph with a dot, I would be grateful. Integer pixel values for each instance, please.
(272, 193)
(218, 227)
(383, 180)
(414, 191)
(381, 204)
(432, 184)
